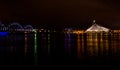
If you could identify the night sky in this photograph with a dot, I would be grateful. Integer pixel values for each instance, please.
(61, 13)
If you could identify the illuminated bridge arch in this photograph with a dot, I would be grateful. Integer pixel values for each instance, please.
(15, 27)
(2, 26)
(28, 28)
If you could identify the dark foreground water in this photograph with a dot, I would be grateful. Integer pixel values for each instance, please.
(59, 48)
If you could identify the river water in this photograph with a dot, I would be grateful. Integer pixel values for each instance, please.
(22, 48)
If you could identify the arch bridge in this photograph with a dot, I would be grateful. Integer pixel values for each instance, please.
(16, 27)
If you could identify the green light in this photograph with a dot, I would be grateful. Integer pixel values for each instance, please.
(25, 44)
(48, 30)
(35, 47)
(48, 43)
(35, 30)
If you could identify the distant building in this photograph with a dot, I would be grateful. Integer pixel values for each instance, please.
(97, 28)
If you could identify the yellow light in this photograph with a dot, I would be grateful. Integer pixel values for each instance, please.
(78, 31)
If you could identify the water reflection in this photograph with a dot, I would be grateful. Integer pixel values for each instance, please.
(68, 43)
(35, 47)
(80, 45)
(93, 44)
(52, 47)
(48, 41)
(26, 46)
(97, 44)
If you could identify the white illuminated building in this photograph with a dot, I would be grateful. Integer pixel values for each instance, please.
(97, 28)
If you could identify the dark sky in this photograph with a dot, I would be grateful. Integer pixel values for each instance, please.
(61, 13)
